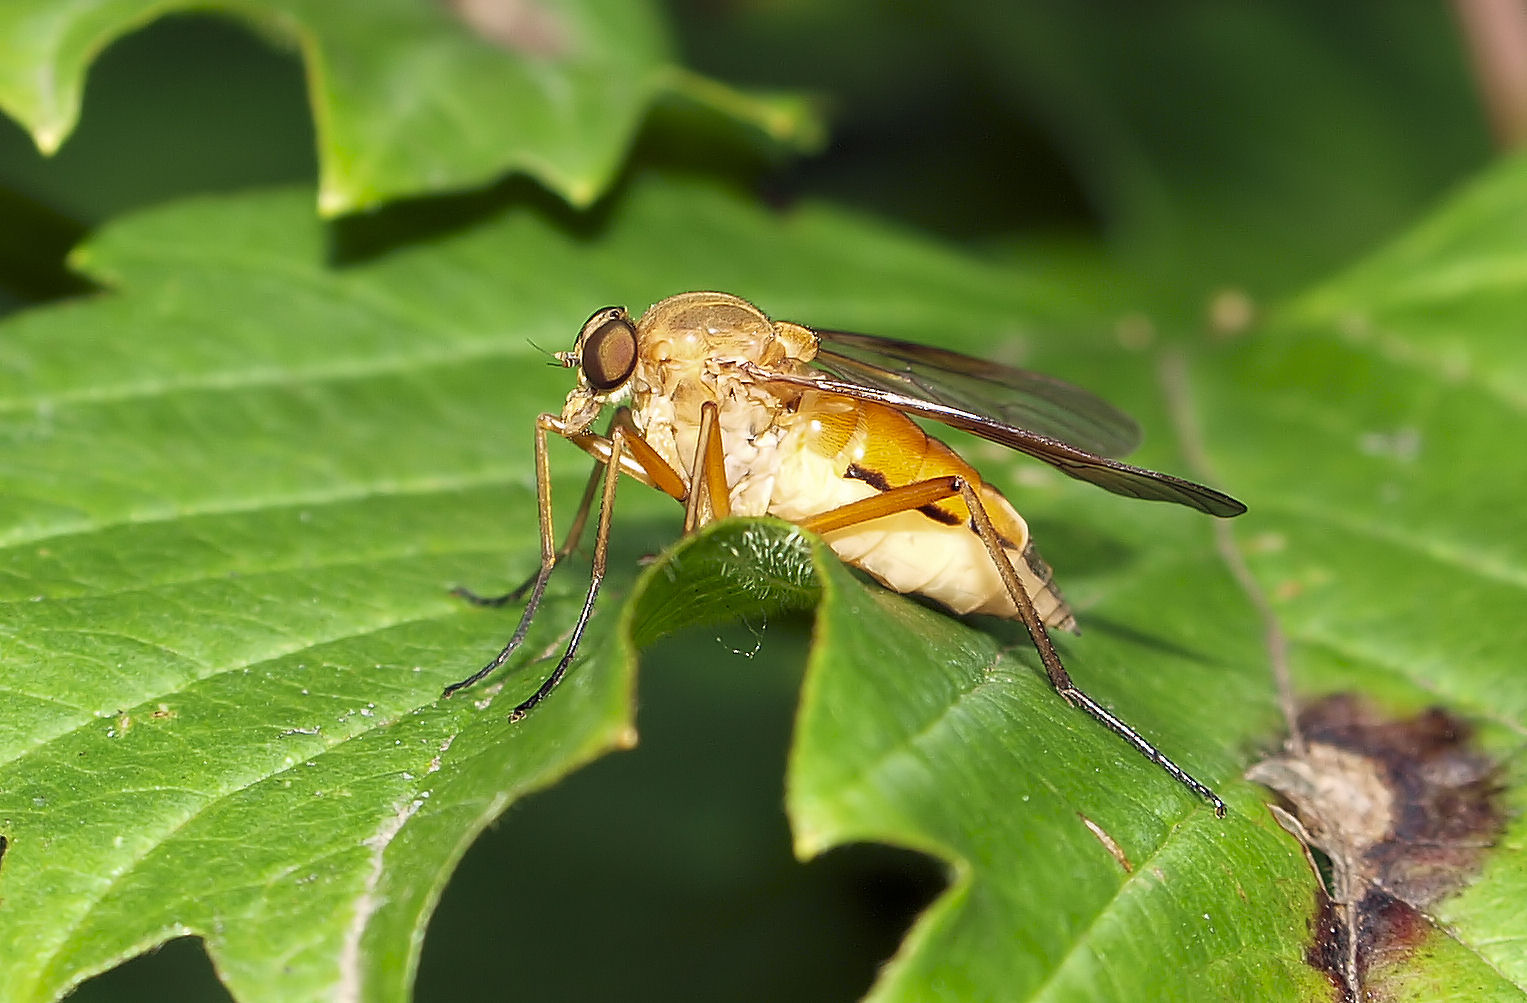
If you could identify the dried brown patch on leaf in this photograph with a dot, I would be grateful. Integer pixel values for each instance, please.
(523, 26)
(1109, 843)
(1401, 810)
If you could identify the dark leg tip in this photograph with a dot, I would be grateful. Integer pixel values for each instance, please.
(462, 684)
(462, 592)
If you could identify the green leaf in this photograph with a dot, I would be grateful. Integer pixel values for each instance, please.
(921, 731)
(1368, 424)
(412, 97)
(1373, 427)
(235, 494)
(237, 488)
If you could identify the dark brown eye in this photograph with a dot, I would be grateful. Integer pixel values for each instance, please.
(609, 354)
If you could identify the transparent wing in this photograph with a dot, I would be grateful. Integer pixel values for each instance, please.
(1015, 397)
(987, 399)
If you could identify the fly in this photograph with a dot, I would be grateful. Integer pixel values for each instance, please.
(732, 413)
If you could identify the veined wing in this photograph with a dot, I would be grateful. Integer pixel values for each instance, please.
(1015, 397)
(890, 390)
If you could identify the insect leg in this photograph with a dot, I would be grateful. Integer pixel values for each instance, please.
(646, 466)
(644, 463)
(569, 544)
(651, 469)
(1059, 677)
(708, 480)
(601, 550)
(920, 493)
(897, 499)
(548, 562)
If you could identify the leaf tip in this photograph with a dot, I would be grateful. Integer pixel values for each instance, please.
(49, 136)
(808, 842)
(334, 200)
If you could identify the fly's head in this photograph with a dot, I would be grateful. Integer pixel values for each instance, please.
(605, 356)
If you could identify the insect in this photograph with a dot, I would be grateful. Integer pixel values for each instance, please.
(732, 413)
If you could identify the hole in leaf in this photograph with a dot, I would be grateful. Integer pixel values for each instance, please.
(178, 969)
(667, 870)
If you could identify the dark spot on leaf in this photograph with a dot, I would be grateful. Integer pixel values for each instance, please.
(1394, 815)
(523, 26)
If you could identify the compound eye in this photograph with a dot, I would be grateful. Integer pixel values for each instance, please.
(609, 354)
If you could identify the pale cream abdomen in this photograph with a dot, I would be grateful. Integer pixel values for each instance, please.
(836, 451)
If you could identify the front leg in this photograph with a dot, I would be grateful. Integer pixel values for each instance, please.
(548, 559)
(623, 451)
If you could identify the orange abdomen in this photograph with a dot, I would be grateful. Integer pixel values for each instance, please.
(840, 450)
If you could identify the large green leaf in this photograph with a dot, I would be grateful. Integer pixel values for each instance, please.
(1395, 549)
(237, 488)
(412, 97)
(235, 494)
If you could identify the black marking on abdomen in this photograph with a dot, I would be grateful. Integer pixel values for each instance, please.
(877, 480)
(873, 478)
